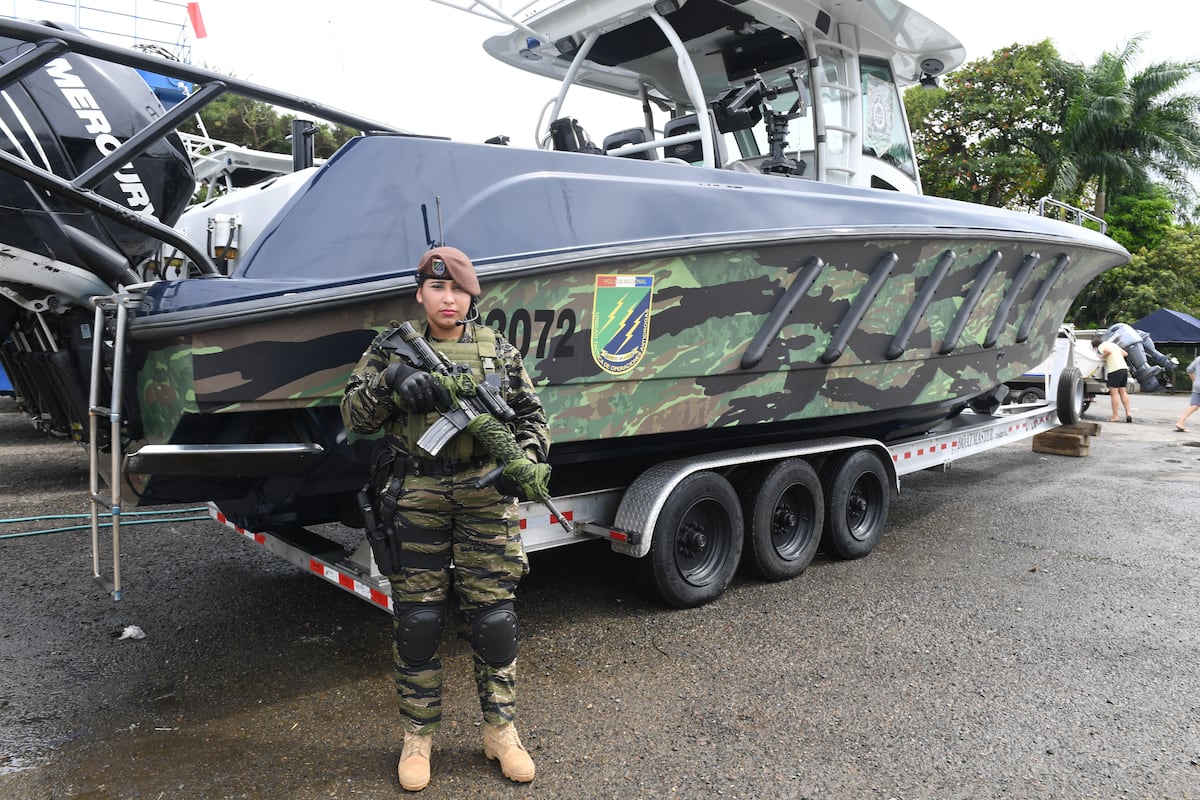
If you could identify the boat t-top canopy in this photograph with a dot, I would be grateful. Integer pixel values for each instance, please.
(730, 57)
(718, 36)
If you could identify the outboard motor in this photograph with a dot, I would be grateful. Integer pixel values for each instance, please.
(64, 117)
(1148, 377)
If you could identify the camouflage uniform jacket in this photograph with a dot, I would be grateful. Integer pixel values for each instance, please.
(369, 405)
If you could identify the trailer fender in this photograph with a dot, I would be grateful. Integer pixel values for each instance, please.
(642, 502)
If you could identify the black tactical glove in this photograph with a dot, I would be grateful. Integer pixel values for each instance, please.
(419, 391)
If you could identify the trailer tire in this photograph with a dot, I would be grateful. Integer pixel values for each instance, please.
(1031, 396)
(857, 496)
(1070, 396)
(784, 509)
(697, 542)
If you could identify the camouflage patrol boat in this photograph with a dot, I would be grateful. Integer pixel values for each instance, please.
(745, 259)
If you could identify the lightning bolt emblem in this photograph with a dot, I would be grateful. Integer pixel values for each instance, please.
(630, 332)
(621, 312)
(616, 310)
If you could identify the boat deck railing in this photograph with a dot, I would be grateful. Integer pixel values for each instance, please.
(512, 12)
(1049, 207)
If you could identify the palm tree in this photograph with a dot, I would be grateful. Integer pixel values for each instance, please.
(1124, 133)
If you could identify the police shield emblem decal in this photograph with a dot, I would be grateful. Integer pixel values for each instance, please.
(621, 321)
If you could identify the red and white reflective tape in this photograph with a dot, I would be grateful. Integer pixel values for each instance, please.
(922, 451)
(215, 513)
(350, 583)
(545, 521)
(330, 572)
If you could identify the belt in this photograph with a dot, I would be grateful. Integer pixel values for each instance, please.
(443, 466)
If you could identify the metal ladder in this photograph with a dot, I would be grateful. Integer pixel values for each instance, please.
(850, 94)
(115, 307)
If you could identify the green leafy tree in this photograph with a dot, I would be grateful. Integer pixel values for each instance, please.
(259, 126)
(984, 137)
(331, 137)
(1123, 133)
(256, 125)
(1165, 276)
(1141, 222)
(246, 122)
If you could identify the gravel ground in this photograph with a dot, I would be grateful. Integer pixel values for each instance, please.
(1028, 628)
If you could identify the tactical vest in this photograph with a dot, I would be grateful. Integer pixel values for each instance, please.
(481, 356)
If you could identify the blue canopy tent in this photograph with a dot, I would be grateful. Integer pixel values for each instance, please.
(6, 386)
(1170, 327)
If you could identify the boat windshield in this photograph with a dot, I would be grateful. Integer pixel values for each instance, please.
(883, 124)
(885, 128)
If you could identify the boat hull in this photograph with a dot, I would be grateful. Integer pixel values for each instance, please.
(636, 359)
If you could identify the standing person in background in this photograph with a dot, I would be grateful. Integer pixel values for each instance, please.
(1193, 369)
(430, 512)
(1117, 375)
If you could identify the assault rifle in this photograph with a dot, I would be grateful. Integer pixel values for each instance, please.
(487, 400)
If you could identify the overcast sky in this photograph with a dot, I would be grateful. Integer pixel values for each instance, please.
(419, 65)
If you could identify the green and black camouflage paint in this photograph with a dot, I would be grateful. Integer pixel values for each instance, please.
(705, 307)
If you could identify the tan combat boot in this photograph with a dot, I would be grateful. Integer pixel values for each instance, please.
(413, 768)
(502, 742)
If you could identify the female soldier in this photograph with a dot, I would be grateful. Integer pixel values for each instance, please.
(432, 512)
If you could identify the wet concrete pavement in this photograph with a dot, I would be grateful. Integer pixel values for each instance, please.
(1029, 627)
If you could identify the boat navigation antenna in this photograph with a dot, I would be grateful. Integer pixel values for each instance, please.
(441, 234)
(441, 240)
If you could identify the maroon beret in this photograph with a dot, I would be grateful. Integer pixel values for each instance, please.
(450, 263)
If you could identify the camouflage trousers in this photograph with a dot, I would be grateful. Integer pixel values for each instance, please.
(461, 539)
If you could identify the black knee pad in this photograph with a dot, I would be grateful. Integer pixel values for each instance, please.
(419, 631)
(494, 634)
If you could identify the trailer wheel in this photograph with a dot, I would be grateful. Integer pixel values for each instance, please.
(784, 512)
(697, 542)
(1070, 396)
(1031, 396)
(857, 496)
